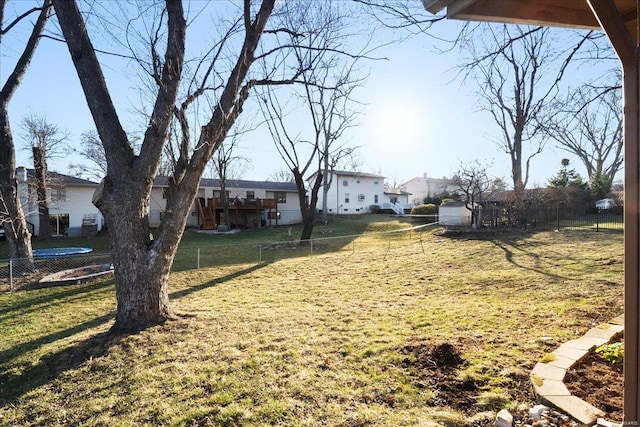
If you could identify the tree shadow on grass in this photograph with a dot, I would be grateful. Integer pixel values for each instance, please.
(510, 242)
(217, 281)
(40, 300)
(13, 386)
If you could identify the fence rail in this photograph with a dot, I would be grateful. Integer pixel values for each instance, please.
(21, 273)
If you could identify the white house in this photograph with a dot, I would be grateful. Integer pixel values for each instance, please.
(396, 200)
(251, 204)
(421, 187)
(70, 206)
(352, 192)
(71, 212)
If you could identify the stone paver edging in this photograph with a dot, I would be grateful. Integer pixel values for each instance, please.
(547, 378)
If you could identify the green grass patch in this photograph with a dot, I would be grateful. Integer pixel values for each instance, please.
(342, 337)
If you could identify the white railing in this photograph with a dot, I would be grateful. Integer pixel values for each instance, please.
(394, 207)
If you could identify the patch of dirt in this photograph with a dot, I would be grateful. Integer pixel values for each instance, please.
(600, 383)
(435, 367)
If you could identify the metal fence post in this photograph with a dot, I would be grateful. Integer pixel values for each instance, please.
(598, 220)
(260, 252)
(198, 259)
(10, 274)
(311, 246)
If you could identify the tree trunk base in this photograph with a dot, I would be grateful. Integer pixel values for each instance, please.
(137, 325)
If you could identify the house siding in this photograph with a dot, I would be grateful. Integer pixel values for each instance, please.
(421, 187)
(360, 188)
(76, 204)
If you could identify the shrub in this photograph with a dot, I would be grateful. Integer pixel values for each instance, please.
(428, 209)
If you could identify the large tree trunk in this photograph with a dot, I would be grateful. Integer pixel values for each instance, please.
(11, 214)
(142, 264)
(40, 167)
(307, 208)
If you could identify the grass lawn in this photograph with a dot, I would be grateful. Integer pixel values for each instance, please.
(414, 329)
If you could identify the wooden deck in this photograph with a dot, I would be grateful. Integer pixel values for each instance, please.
(242, 212)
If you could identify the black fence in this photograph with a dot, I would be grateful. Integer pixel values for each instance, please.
(558, 216)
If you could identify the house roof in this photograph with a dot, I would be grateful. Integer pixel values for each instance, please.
(351, 173)
(163, 181)
(454, 204)
(565, 13)
(60, 178)
(397, 191)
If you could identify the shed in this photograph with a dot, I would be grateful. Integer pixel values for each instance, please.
(454, 214)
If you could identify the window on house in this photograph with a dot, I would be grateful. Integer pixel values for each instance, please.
(59, 224)
(280, 196)
(360, 197)
(357, 181)
(375, 182)
(375, 198)
(251, 194)
(345, 182)
(346, 197)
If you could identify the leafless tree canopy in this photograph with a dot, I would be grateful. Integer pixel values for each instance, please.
(325, 91)
(518, 71)
(588, 124)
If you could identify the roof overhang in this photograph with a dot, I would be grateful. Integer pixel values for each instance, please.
(560, 13)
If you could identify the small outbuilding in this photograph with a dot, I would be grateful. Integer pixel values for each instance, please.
(454, 214)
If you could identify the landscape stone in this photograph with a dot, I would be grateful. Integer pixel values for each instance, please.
(570, 353)
(562, 362)
(546, 371)
(535, 413)
(579, 409)
(504, 419)
(607, 334)
(551, 388)
(586, 342)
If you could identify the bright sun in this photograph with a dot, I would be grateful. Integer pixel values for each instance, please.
(397, 123)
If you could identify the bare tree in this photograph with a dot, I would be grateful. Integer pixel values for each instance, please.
(94, 165)
(12, 217)
(510, 69)
(326, 93)
(476, 187)
(589, 124)
(45, 141)
(519, 70)
(281, 175)
(225, 76)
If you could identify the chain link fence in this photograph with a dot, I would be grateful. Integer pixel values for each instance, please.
(24, 274)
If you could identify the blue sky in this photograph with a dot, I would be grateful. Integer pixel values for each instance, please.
(418, 118)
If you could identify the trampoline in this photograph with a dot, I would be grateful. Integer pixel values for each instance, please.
(59, 252)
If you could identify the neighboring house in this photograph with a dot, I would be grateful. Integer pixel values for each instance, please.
(70, 209)
(352, 192)
(251, 204)
(421, 187)
(454, 214)
(396, 200)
